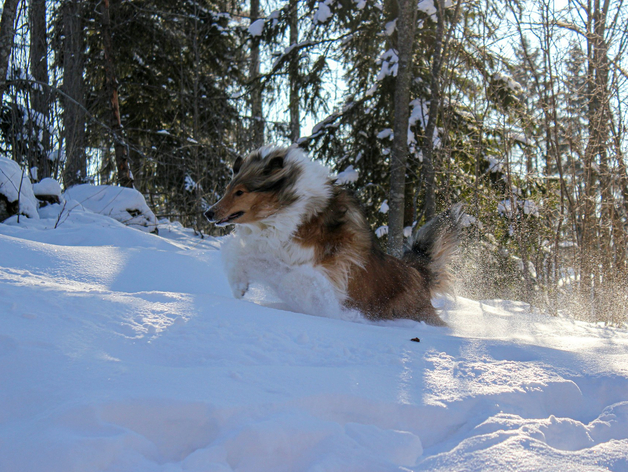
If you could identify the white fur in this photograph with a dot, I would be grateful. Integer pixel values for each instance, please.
(264, 251)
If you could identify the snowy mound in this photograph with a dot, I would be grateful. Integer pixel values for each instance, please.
(15, 186)
(125, 351)
(48, 190)
(125, 205)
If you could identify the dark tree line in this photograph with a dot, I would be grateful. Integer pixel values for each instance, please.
(515, 108)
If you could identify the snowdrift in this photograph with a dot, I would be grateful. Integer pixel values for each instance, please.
(124, 351)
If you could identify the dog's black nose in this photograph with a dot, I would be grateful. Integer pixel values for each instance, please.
(209, 214)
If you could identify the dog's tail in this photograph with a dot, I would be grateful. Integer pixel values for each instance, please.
(431, 248)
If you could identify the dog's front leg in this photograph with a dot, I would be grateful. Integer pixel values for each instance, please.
(233, 258)
(238, 281)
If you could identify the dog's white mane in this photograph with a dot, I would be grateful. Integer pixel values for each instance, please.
(273, 235)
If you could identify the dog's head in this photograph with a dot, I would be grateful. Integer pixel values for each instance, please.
(262, 185)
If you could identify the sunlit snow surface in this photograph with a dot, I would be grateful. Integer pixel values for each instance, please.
(125, 351)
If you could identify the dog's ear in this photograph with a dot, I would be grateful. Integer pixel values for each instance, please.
(237, 164)
(273, 164)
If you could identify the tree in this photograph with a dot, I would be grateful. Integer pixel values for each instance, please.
(73, 99)
(255, 85)
(40, 91)
(7, 31)
(406, 27)
(125, 178)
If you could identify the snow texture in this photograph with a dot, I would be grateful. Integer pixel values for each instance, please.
(47, 186)
(15, 185)
(390, 64)
(384, 207)
(323, 12)
(390, 27)
(506, 207)
(256, 28)
(507, 81)
(347, 176)
(124, 351)
(386, 134)
(125, 205)
(494, 165)
(382, 230)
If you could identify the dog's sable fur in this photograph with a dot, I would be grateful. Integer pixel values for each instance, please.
(287, 207)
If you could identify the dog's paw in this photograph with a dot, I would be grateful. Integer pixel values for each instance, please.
(239, 289)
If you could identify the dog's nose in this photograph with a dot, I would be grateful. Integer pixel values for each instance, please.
(209, 214)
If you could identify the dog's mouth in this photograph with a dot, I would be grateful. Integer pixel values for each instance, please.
(230, 218)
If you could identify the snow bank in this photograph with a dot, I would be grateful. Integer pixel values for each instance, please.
(125, 205)
(48, 191)
(132, 355)
(16, 185)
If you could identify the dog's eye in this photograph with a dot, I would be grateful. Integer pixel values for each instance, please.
(238, 193)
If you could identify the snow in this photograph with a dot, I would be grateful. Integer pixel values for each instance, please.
(47, 186)
(189, 184)
(419, 113)
(386, 134)
(381, 231)
(427, 7)
(256, 28)
(125, 205)
(15, 185)
(390, 64)
(510, 83)
(384, 207)
(390, 27)
(494, 165)
(529, 207)
(125, 351)
(323, 12)
(347, 176)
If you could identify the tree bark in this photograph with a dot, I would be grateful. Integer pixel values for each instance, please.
(597, 85)
(7, 31)
(74, 88)
(257, 114)
(40, 95)
(406, 28)
(429, 176)
(125, 179)
(293, 72)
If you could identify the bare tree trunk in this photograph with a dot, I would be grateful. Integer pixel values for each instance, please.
(293, 72)
(39, 69)
(597, 84)
(74, 88)
(125, 179)
(7, 31)
(428, 142)
(406, 28)
(257, 114)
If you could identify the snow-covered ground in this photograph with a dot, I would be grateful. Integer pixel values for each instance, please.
(125, 351)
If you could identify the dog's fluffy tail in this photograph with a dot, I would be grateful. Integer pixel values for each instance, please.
(431, 248)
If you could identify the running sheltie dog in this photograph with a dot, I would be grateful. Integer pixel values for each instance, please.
(289, 214)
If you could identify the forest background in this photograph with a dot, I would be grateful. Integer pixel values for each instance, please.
(515, 108)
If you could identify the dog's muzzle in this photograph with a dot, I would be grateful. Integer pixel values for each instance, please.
(210, 214)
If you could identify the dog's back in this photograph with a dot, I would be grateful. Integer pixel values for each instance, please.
(378, 285)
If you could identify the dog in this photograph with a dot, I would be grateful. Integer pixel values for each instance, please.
(290, 216)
